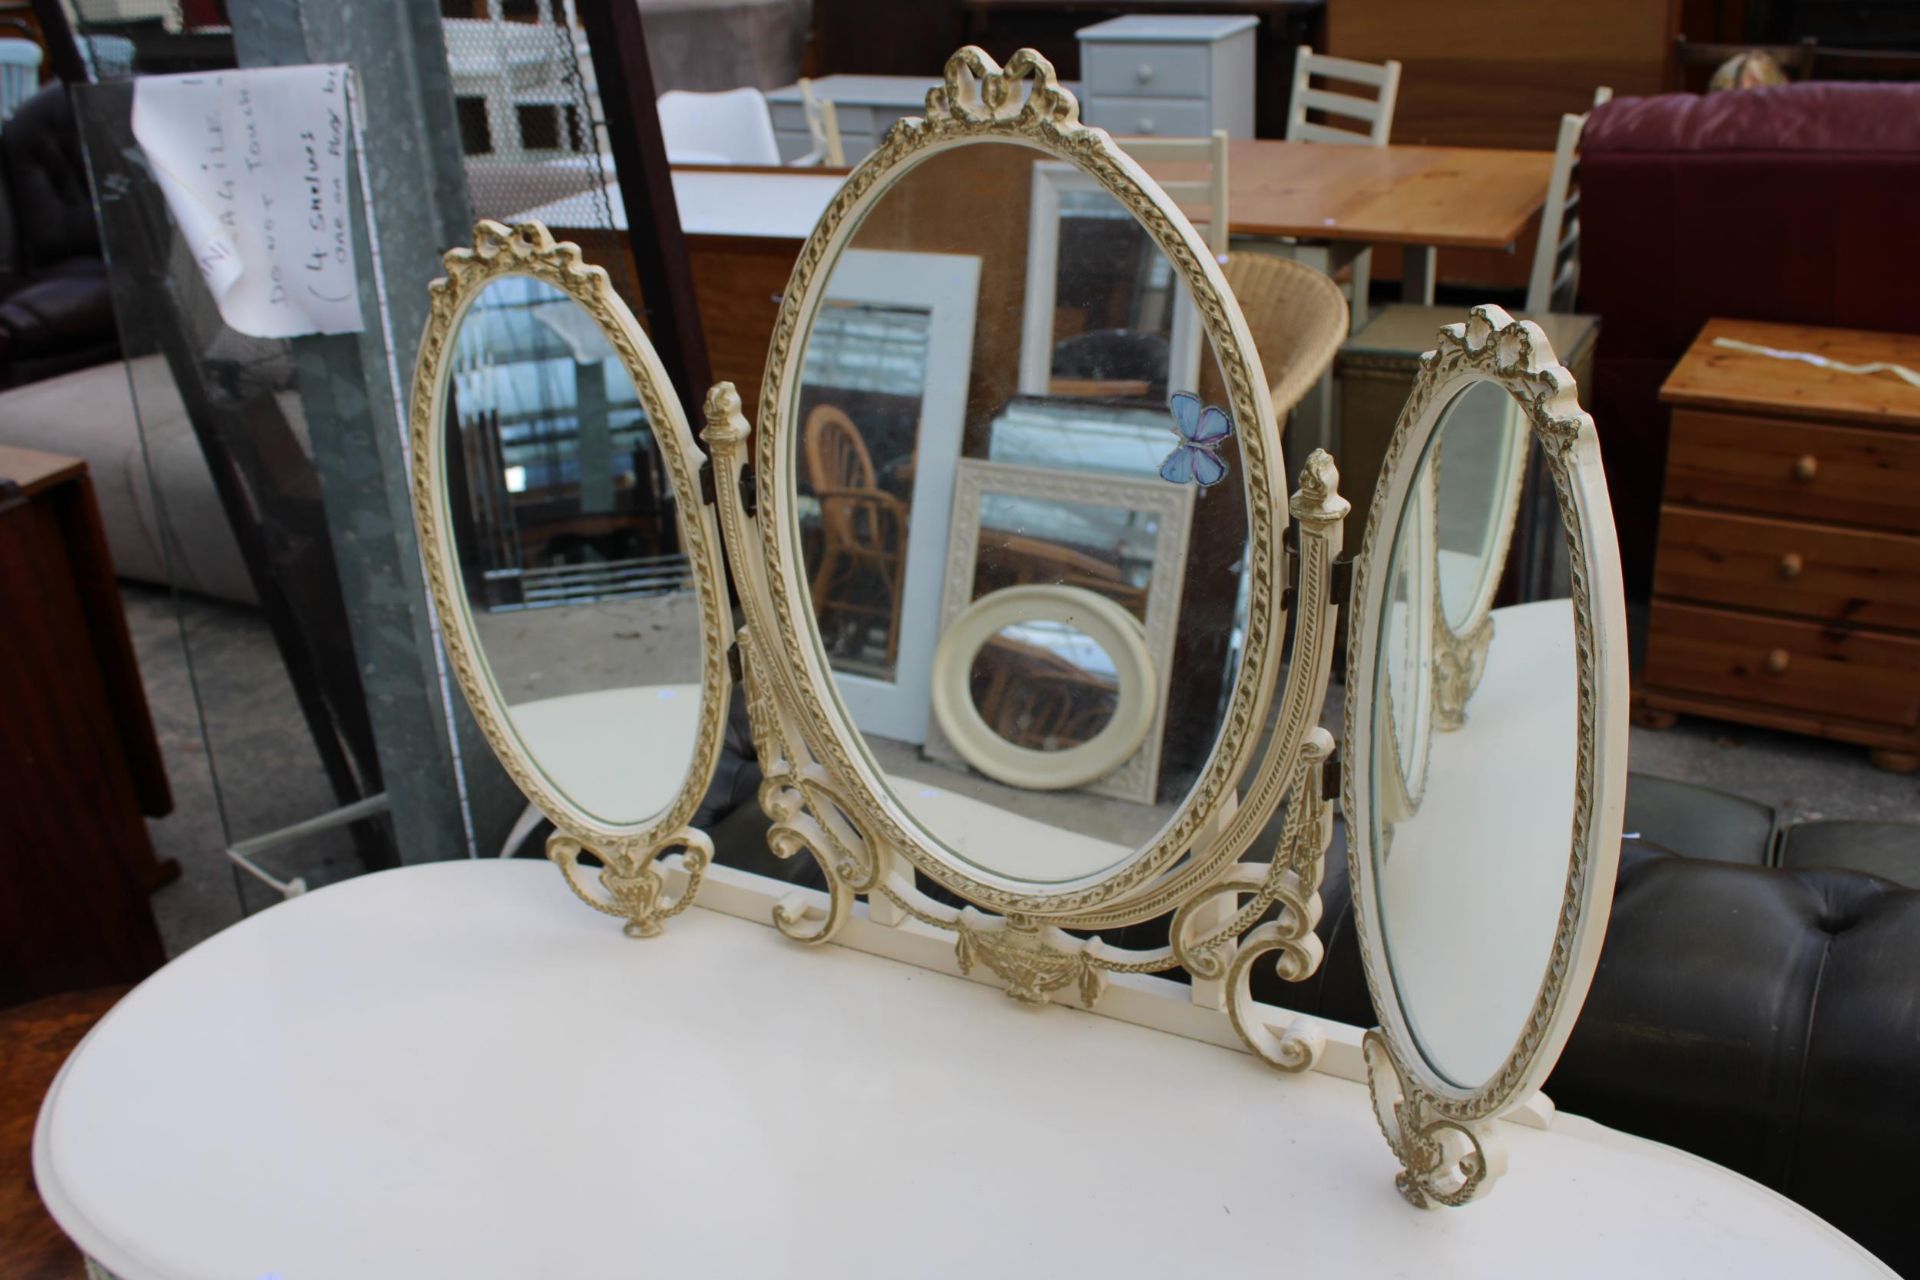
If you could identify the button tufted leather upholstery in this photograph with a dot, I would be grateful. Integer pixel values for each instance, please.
(56, 308)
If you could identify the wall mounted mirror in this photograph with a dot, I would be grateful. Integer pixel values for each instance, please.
(1483, 843)
(575, 570)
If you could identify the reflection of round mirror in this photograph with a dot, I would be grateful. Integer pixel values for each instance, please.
(1477, 467)
(1482, 891)
(1044, 685)
(1044, 688)
(568, 551)
(997, 302)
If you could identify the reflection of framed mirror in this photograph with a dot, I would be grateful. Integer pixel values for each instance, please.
(1089, 329)
(1481, 907)
(1123, 539)
(575, 569)
(886, 392)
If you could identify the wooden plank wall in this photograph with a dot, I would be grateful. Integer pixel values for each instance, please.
(1500, 73)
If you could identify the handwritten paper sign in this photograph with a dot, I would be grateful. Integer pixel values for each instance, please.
(254, 167)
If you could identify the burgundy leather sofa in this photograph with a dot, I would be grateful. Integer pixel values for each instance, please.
(1798, 204)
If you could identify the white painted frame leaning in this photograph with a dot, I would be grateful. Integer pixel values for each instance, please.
(947, 287)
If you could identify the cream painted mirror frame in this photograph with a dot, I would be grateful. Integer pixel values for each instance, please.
(633, 883)
(1438, 1129)
(824, 795)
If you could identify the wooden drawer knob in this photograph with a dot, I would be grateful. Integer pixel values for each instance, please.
(1806, 467)
(1777, 660)
(1144, 72)
(1791, 564)
(1146, 124)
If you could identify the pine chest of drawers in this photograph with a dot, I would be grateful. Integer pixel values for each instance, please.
(1787, 581)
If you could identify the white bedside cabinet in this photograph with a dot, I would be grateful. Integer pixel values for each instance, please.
(1168, 76)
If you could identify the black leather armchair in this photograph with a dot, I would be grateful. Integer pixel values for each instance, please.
(56, 307)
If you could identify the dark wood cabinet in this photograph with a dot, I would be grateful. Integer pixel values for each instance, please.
(79, 765)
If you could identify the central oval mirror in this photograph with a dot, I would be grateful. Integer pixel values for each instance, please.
(1006, 395)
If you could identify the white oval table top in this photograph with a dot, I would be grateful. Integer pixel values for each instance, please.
(457, 1070)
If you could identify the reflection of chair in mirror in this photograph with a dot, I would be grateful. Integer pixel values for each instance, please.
(863, 528)
(1036, 699)
(1017, 560)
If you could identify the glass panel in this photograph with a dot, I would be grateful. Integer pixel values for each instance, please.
(1472, 821)
(569, 552)
(996, 304)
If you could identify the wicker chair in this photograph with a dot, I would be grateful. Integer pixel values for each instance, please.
(1298, 318)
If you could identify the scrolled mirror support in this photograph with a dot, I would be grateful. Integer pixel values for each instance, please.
(1444, 1161)
(631, 885)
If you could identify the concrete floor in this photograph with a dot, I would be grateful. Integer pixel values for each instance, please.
(270, 776)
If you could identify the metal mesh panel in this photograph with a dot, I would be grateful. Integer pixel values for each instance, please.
(530, 119)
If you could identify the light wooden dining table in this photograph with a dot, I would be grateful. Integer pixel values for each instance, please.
(745, 226)
(1418, 198)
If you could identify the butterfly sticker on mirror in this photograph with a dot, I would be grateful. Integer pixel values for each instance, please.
(1196, 459)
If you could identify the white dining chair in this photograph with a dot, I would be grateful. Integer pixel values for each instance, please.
(1209, 189)
(1349, 118)
(1555, 279)
(823, 127)
(730, 127)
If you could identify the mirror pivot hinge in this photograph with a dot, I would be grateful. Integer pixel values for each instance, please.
(749, 488)
(1340, 585)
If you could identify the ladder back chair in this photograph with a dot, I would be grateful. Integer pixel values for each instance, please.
(1555, 278)
(1209, 189)
(1372, 116)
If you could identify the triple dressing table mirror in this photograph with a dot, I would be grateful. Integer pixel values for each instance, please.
(1051, 722)
(1034, 638)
